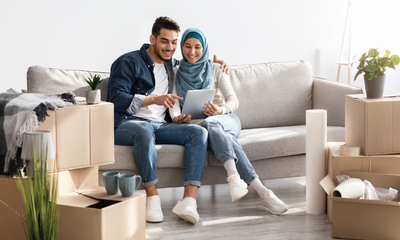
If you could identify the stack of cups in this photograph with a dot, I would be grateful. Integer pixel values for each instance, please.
(125, 182)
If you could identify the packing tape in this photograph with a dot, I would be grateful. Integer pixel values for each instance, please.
(349, 150)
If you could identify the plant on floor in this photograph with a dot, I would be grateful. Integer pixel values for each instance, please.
(39, 195)
(374, 66)
(94, 82)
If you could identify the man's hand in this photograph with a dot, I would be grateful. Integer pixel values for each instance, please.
(224, 66)
(212, 109)
(182, 119)
(167, 100)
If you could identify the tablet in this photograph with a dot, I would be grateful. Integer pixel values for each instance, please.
(195, 100)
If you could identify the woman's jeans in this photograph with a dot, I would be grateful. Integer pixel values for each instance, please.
(144, 134)
(222, 133)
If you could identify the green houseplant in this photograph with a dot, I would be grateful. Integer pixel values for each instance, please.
(93, 96)
(374, 68)
(39, 196)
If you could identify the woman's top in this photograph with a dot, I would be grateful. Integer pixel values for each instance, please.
(225, 96)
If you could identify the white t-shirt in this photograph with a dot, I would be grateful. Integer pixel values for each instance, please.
(155, 112)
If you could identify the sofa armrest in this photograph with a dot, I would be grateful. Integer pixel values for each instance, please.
(330, 96)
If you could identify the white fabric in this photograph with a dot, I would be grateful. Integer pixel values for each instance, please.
(230, 167)
(155, 112)
(258, 186)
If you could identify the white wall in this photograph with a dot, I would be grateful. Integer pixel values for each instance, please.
(83, 34)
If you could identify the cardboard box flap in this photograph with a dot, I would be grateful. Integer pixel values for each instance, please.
(76, 200)
(100, 193)
(387, 97)
(327, 184)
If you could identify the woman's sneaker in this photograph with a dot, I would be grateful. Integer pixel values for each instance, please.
(237, 187)
(187, 210)
(273, 203)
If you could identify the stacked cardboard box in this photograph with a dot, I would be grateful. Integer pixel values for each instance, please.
(83, 138)
(374, 126)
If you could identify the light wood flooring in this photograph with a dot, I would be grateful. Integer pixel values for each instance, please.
(243, 219)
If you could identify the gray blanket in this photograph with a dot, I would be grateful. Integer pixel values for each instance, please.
(19, 113)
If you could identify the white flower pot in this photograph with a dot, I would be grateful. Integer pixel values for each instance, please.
(93, 96)
(350, 188)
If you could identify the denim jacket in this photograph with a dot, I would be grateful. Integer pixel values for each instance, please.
(131, 79)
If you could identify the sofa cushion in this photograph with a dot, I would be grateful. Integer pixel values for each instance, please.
(55, 80)
(168, 156)
(259, 144)
(277, 142)
(272, 94)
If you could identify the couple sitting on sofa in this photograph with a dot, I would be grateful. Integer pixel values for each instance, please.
(142, 87)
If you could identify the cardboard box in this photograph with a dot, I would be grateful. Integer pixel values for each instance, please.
(68, 182)
(373, 124)
(83, 135)
(86, 211)
(389, 164)
(373, 164)
(10, 223)
(365, 219)
(94, 215)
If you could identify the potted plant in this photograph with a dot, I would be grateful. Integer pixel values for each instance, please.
(374, 68)
(93, 96)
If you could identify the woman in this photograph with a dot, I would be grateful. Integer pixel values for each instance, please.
(196, 71)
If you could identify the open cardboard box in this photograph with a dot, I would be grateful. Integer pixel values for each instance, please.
(373, 124)
(92, 214)
(86, 211)
(365, 219)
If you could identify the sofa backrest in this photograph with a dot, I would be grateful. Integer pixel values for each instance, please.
(272, 94)
(54, 80)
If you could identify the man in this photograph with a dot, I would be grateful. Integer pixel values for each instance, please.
(140, 87)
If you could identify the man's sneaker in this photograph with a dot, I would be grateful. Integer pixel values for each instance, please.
(273, 203)
(237, 187)
(187, 210)
(153, 209)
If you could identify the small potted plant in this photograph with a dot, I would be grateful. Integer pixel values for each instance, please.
(93, 96)
(374, 68)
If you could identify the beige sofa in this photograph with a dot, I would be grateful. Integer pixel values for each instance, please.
(273, 100)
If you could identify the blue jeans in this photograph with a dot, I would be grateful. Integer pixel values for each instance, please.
(222, 133)
(144, 134)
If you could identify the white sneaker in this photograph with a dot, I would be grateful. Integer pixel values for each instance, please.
(237, 187)
(187, 210)
(273, 203)
(153, 209)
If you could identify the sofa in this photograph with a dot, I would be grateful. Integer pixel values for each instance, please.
(273, 99)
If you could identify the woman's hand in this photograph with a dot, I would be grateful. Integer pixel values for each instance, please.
(212, 109)
(182, 119)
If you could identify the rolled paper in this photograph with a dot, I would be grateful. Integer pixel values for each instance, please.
(349, 150)
(350, 188)
(316, 143)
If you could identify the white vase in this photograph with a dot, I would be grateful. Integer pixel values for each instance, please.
(93, 96)
(350, 188)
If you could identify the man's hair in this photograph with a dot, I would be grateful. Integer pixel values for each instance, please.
(164, 22)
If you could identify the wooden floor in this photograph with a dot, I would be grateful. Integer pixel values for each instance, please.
(243, 219)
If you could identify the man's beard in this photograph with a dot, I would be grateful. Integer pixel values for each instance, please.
(159, 55)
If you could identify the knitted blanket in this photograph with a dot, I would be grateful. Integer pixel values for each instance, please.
(19, 113)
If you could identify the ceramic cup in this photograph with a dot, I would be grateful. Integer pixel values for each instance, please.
(111, 182)
(129, 183)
